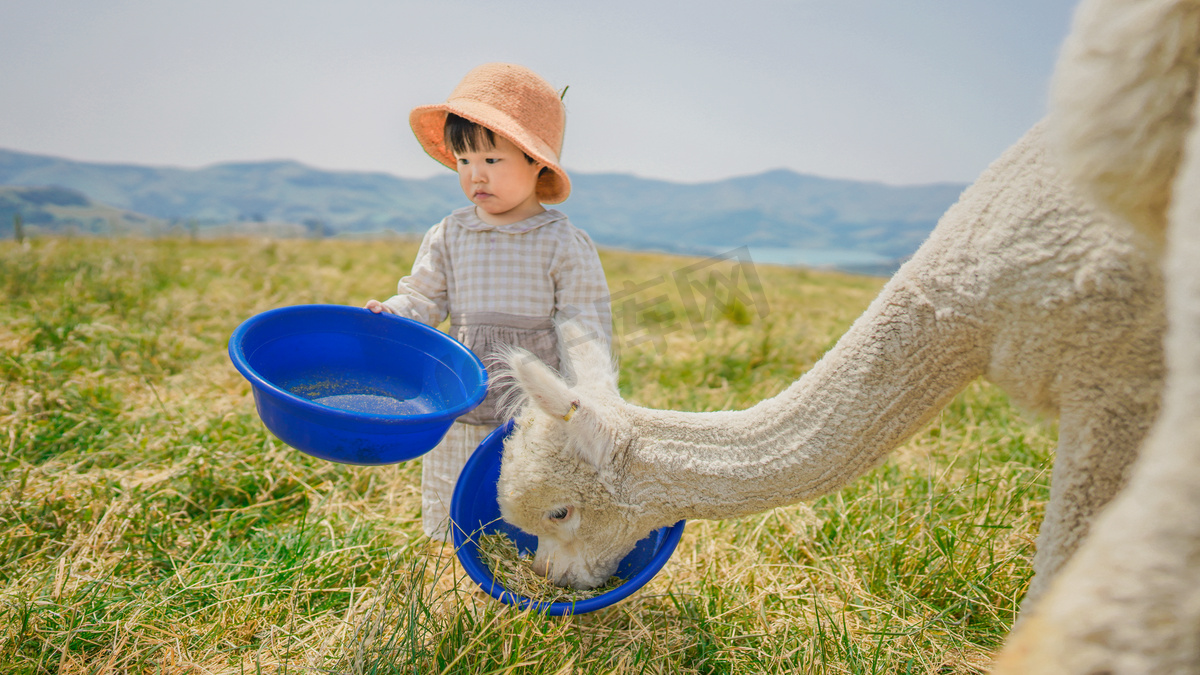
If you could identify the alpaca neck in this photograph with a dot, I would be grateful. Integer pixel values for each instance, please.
(900, 363)
(930, 332)
(962, 306)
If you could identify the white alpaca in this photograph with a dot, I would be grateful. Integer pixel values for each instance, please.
(1124, 114)
(1020, 282)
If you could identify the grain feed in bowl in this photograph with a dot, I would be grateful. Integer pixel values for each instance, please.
(515, 572)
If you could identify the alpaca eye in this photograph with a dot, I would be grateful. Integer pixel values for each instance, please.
(559, 514)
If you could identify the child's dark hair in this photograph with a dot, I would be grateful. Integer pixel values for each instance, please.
(463, 135)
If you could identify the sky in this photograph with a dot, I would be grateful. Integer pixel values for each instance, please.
(898, 91)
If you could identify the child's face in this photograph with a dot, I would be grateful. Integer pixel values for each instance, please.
(501, 182)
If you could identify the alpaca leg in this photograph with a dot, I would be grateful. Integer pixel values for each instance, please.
(1094, 453)
(1129, 601)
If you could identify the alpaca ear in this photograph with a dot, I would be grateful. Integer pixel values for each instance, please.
(585, 356)
(543, 386)
(550, 393)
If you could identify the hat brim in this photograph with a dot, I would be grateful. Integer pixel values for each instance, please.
(428, 123)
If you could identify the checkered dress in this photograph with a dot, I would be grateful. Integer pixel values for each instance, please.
(499, 285)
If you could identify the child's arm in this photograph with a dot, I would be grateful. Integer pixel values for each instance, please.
(422, 294)
(581, 290)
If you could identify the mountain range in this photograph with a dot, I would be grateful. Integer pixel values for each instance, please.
(874, 225)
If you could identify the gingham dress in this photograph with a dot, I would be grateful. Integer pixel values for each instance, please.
(499, 285)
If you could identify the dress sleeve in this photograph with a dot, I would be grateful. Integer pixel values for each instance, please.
(581, 290)
(422, 294)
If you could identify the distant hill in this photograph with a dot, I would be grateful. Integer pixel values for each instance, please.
(264, 191)
(58, 209)
(777, 210)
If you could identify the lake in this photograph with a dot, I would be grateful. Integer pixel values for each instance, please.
(816, 257)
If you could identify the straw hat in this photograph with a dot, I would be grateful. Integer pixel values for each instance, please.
(512, 101)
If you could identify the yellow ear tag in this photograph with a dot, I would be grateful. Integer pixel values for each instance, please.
(571, 412)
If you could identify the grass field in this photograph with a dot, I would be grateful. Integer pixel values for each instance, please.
(149, 523)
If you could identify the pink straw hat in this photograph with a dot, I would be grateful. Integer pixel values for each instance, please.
(512, 101)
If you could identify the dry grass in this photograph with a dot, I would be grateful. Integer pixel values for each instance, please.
(149, 523)
(515, 572)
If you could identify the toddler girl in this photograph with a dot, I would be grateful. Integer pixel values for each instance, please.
(505, 267)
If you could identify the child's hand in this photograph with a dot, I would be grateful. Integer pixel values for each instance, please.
(378, 307)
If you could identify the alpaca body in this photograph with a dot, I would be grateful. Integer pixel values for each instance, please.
(1124, 114)
(1020, 282)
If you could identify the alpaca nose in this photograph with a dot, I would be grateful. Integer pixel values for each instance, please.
(540, 566)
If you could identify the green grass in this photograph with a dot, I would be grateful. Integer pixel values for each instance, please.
(149, 523)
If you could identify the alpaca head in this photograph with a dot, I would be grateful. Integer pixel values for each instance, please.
(560, 476)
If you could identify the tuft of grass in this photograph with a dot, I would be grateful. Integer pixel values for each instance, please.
(149, 523)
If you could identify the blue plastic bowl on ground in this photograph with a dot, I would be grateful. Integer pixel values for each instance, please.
(475, 511)
(347, 385)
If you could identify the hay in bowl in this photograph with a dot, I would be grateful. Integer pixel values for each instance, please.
(348, 385)
(477, 521)
(505, 561)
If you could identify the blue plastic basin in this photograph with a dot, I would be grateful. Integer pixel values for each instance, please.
(347, 385)
(475, 511)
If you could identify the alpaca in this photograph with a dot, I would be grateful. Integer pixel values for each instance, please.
(1123, 115)
(1021, 282)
